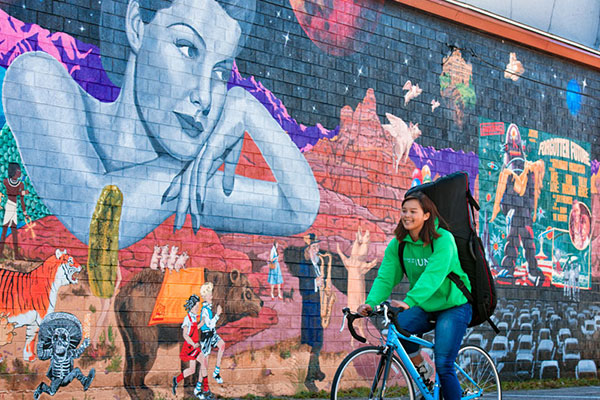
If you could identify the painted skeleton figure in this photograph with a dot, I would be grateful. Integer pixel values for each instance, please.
(60, 334)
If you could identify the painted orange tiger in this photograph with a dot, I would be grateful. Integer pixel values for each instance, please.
(27, 297)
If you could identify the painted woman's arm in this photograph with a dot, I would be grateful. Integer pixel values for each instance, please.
(284, 207)
(48, 116)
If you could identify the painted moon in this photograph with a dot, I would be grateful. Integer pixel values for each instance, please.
(338, 27)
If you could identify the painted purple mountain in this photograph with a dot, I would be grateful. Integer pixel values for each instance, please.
(305, 137)
(82, 60)
(445, 161)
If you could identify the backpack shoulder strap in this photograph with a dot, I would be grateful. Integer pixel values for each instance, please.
(401, 246)
(461, 285)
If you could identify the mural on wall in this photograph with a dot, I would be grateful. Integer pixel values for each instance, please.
(514, 68)
(59, 339)
(338, 27)
(274, 206)
(182, 144)
(14, 189)
(535, 207)
(595, 194)
(573, 96)
(35, 294)
(456, 85)
(357, 268)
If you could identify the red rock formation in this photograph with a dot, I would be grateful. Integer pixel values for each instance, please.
(359, 163)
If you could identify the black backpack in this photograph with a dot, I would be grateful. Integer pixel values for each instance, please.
(454, 201)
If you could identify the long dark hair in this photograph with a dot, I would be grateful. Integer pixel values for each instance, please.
(428, 232)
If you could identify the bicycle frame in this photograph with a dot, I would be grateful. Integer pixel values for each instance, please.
(394, 335)
(393, 342)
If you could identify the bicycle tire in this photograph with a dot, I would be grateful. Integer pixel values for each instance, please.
(479, 365)
(357, 372)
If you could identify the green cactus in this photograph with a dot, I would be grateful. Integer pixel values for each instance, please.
(103, 252)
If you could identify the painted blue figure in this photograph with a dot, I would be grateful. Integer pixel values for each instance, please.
(275, 277)
(58, 338)
(165, 137)
(311, 283)
(209, 338)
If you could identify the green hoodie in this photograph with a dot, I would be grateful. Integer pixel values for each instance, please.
(430, 287)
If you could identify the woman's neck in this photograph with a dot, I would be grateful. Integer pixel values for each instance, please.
(414, 235)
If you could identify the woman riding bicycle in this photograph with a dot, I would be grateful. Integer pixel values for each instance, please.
(433, 300)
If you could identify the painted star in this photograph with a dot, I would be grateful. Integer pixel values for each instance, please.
(584, 83)
(360, 71)
(286, 37)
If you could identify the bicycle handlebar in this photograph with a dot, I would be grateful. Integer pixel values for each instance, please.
(384, 309)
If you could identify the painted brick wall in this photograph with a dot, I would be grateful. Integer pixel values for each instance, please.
(117, 122)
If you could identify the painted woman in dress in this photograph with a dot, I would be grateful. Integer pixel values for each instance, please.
(165, 137)
(275, 278)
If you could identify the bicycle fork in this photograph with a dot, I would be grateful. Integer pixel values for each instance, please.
(382, 368)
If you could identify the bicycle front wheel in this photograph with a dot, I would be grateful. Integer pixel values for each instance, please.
(361, 375)
(477, 374)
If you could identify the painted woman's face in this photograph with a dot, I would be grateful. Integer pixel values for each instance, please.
(181, 73)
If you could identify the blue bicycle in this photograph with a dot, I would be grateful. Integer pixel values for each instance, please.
(386, 371)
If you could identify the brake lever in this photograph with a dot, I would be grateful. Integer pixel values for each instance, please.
(385, 313)
(344, 322)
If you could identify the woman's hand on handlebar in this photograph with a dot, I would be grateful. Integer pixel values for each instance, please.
(399, 304)
(364, 310)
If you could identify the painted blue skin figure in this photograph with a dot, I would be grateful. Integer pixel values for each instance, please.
(164, 138)
(310, 282)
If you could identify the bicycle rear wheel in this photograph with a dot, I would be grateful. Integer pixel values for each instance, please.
(484, 379)
(360, 376)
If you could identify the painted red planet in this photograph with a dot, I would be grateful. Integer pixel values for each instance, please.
(338, 27)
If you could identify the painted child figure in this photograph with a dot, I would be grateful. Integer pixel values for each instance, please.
(190, 351)
(275, 277)
(208, 339)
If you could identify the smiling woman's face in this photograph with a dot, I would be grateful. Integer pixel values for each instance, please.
(181, 73)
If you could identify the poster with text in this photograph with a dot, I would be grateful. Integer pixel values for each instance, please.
(535, 200)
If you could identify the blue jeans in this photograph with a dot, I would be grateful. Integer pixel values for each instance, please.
(450, 327)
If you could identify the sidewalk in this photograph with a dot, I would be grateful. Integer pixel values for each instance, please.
(573, 393)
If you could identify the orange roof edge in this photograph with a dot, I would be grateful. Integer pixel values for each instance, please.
(503, 29)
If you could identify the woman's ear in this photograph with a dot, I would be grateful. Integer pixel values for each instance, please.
(426, 216)
(134, 26)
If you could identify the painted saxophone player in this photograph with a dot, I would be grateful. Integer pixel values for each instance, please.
(163, 140)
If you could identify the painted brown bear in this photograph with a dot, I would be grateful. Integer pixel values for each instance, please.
(134, 305)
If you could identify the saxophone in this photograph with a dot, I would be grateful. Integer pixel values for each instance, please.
(327, 295)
